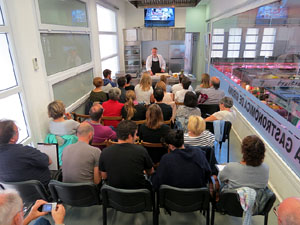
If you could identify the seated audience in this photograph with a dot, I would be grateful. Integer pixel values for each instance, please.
(132, 110)
(154, 130)
(112, 107)
(205, 82)
(144, 89)
(288, 211)
(121, 84)
(189, 108)
(178, 87)
(11, 212)
(251, 171)
(197, 135)
(225, 113)
(123, 164)
(168, 87)
(18, 162)
(101, 133)
(80, 160)
(179, 96)
(183, 167)
(59, 125)
(97, 95)
(168, 97)
(107, 78)
(165, 108)
(214, 94)
(128, 86)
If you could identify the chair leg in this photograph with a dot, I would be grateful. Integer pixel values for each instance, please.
(207, 215)
(266, 219)
(228, 150)
(212, 218)
(104, 215)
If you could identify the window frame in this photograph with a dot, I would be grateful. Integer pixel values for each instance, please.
(234, 42)
(251, 43)
(216, 50)
(270, 52)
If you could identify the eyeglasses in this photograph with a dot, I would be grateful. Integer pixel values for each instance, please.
(275, 209)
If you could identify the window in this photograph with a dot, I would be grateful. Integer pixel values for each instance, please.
(108, 39)
(65, 41)
(268, 40)
(251, 40)
(11, 92)
(217, 43)
(234, 42)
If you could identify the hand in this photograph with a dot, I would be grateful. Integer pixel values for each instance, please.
(150, 71)
(58, 214)
(34, 212)
(162, 70)
(68, 115)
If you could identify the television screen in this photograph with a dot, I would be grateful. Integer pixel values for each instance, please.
(275, 13)
(159, 17)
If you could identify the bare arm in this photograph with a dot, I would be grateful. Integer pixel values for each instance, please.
(211, 118)
(97, 175)
(150, 171)
(104, 175)
(50, 161)
(34, 212)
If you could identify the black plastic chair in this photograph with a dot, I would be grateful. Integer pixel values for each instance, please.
(75, 194)
(226, 134)
(29, 191)
(229, 204)
(207, 110)
(127, 201)
(183, 200)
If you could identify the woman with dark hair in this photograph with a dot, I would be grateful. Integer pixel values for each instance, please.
(194, 170)
(128, 86)
(132, 110)
(154, 130)
(189, 108)
(251, 171)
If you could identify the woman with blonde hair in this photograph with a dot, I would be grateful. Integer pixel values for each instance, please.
(144, 89)
(154, 130)
(164, 79)
(197, 135)
(132, 110)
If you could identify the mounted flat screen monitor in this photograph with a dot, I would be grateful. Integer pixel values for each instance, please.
(159, 17)
(275, 13)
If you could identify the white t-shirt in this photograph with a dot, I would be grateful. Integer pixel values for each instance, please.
(179, 96)
(225, 115)
(178, 87)
(143, 96)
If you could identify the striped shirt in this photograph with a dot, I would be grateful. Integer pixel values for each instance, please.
(206, 138)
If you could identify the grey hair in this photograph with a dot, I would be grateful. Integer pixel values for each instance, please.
(114, 93)
(227, 102)
(84, 129)
(10, 205)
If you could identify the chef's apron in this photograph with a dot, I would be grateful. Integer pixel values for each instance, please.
(155, 68)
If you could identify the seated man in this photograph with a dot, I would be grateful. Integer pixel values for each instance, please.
(123, 164)
(179, 96)
(107, 78)
(11, 212)
(101, 133)
(288, 211)
(18, 162)
(183, 167)
(178, 87)
(80, 160)
(121, 86)
(165, 108)
(214, 94)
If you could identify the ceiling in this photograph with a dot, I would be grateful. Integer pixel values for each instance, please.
(163, 3)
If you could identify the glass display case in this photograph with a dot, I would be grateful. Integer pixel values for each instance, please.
(132, 55)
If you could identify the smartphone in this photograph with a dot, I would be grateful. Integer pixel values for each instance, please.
(48, 207)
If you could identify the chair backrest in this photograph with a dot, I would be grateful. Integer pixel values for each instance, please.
(30, 190)
(101, 144)
(139, 122)
(111, 118)
(226, 131)
(75, 194)
(207, 110)
(80, 117)
(155, 150)
(168, 122)
(183, 199)
(125, 200)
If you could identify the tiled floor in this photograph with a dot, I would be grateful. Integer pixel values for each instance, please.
(93, 215)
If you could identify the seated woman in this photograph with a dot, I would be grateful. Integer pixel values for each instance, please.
(112, 107)
(128, 86)
(97, 95)
(189, 108)
(197, 135)
(168, 87)
(251, 171)
(59, 125)
(183, 167)
(132, 110)
(153, 131)
(144, 89)
(225, 113)
(205, 82)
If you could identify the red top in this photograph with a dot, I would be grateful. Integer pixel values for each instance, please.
(112, 108)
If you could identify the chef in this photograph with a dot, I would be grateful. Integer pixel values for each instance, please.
(155, 63)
